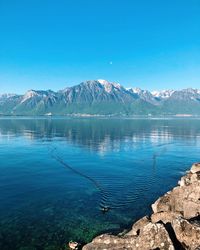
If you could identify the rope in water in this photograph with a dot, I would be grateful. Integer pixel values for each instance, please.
(104, 194)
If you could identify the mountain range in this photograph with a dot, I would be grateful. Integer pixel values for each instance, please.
(100, 97)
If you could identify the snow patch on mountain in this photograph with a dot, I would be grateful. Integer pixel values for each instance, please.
(138, 91)
(108, 86)
(29, 94)
(163, 94)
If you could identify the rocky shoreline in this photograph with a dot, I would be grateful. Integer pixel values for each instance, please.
(173, 225)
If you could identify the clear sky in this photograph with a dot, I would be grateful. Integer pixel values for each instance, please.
(152, 44)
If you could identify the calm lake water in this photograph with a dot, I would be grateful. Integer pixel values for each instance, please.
(57, 173)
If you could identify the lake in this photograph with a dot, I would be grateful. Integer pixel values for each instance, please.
(58, 174)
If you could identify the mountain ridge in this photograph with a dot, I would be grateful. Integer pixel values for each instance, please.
(101, 97)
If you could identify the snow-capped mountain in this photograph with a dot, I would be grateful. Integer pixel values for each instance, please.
(163, 94)
(97, 91)
(101, 97)
(110, 86)
(39, 95)
(186, 94)
(144, 95)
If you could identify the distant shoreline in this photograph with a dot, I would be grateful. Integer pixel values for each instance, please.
(177, 116)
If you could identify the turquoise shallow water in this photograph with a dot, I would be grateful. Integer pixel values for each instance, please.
(57, 174)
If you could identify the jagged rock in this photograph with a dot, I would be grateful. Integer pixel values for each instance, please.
(189, 178)
(187, 233)
(165, 217)
(152, 236)
(162, 204)
(106, 241)
(136, 228)
(195, 168)
(184, 200)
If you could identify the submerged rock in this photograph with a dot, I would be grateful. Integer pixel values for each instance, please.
(73, 245)
(174, 224)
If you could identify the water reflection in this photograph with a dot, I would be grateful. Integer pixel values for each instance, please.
(102, 134)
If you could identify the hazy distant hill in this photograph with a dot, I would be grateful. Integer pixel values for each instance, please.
(103, 98)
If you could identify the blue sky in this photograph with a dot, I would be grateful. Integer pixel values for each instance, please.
(152, 44)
